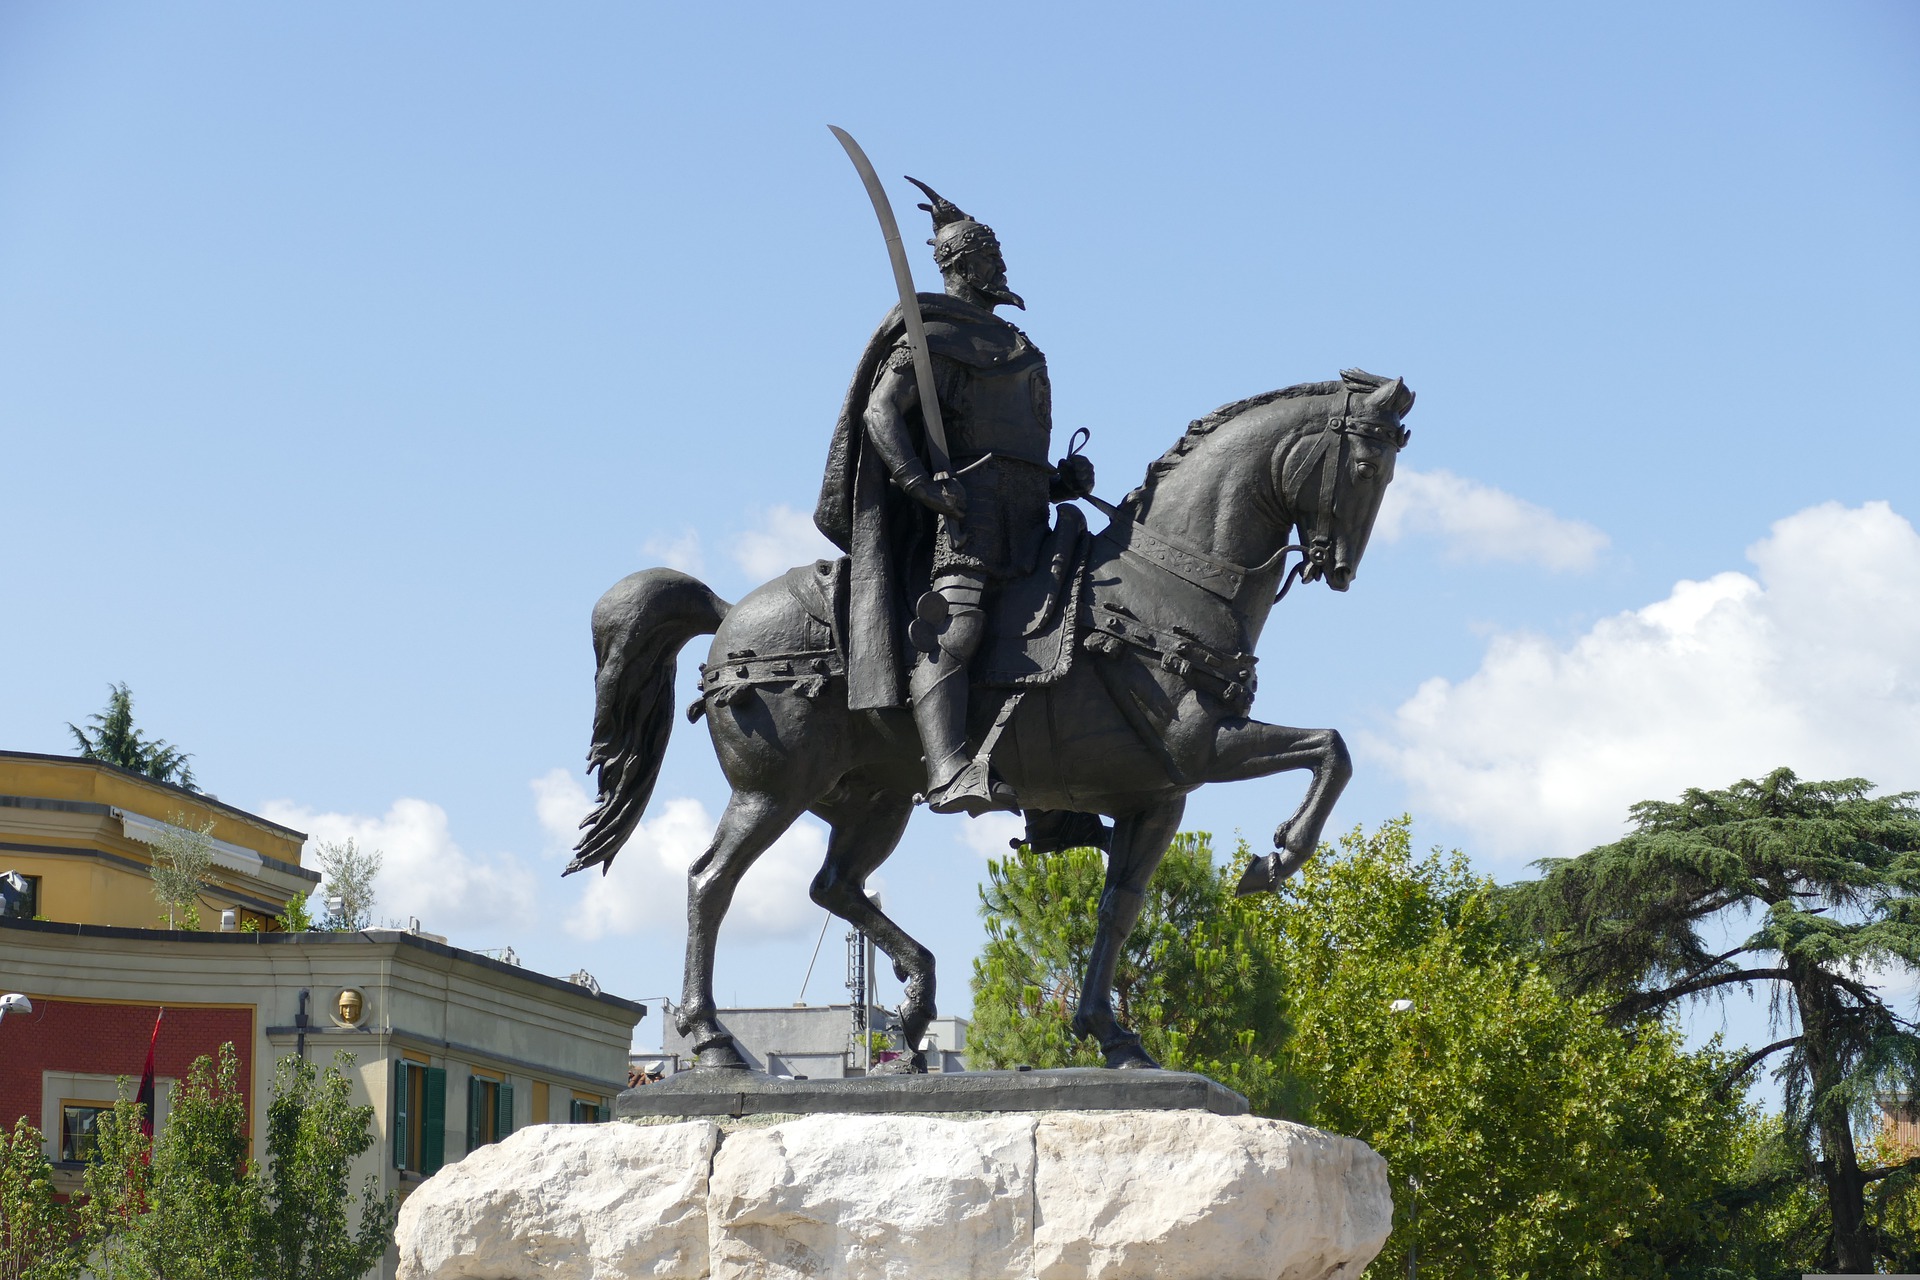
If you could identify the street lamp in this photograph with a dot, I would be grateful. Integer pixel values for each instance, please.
(14, 1003)
(1413, 1156)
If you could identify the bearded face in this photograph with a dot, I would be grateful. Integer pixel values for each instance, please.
(985, 273)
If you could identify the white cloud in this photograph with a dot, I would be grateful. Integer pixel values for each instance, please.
(560, 800)
(424, 872)
(647, 887)
(784, 538)
(987, 835)
(1813, 662)
(682, 552)
(1473, 521)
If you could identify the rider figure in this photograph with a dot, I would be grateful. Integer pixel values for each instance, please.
(992, 514)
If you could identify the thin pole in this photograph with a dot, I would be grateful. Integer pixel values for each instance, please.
(816, 955)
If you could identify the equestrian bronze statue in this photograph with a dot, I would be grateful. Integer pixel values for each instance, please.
(971, 653)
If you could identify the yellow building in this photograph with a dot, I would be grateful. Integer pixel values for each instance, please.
(81, 833)
(453, 1050)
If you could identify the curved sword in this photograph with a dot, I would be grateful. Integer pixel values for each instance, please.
(909, 304)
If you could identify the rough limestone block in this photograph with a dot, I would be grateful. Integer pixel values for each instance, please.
(566, 1202)
(1180, 1195)
(846, 1197)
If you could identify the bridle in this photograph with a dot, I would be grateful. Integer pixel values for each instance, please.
(1331, 446)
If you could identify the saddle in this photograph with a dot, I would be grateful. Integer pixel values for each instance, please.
(1033, 631)
(1032, 622)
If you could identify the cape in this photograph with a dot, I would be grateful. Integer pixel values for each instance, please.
(888, 536)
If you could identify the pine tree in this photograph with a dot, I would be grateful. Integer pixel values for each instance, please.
(1832, 873)
(1191, 979)
(115, 740)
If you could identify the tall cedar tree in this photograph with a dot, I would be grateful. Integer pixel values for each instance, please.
(1191, 979)
(1833, 874)
(114, 740)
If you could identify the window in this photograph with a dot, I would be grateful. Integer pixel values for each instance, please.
(489, 1111)
(419, 1117)
(19, 895)
(79, 1129)
(589, 1111)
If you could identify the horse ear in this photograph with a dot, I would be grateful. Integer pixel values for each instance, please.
(1383, 397)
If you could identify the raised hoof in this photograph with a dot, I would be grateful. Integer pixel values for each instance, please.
(1258, 877)
(721, 1056)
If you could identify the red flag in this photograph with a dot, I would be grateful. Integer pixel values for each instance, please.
(145, 1096)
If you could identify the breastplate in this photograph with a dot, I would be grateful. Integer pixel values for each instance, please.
(1007, 410)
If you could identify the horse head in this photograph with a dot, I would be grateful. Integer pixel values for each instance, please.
(1331, 473)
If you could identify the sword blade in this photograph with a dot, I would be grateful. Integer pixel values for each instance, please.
(909, 302)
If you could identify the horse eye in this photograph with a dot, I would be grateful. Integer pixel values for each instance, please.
(1365, 470)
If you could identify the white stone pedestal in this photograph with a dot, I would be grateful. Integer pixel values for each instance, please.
(1175, 1195)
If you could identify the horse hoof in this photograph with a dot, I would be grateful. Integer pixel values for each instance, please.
(907, 1064)
(1130, 1057)
(1259, 876)
(722, 1056)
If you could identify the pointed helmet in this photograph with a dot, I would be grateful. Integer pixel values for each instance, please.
(954, 233)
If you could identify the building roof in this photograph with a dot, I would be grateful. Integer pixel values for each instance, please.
(191, 797)
(401, 937)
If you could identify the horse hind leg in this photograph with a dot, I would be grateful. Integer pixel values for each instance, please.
(752, 822)
(864, 836)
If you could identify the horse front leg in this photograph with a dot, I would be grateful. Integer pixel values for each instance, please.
(1250, 749)
(1138, 844)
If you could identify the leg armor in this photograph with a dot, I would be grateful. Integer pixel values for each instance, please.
(938, 685)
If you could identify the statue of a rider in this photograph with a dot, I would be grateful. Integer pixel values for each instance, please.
(936, 546)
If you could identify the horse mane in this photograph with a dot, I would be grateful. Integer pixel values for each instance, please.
(1200, 428)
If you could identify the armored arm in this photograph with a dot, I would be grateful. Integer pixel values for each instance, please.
(894, 395)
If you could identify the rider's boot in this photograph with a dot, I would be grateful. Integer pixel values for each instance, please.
(956, 783)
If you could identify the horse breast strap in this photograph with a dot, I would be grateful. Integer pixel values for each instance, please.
(1209, 572)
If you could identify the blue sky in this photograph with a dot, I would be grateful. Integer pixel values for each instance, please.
(348, 353)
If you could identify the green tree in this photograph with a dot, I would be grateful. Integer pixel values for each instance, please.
(296, 918)
(203, 1196)
(349, 872)
(191, 1205)
(182, 856)
(114, 740)
(1545, 1141)
(182, 1206)
(1192, 979)
(1831, 872)
(314, 1134)
(36, 1231)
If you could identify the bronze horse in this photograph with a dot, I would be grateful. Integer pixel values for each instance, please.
(1178, 589)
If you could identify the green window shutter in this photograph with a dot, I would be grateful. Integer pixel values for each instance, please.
(400, 1115)
(601, 1114)
(433, 1122)
(503, 1113)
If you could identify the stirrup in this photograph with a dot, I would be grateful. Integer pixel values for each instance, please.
(973, 791)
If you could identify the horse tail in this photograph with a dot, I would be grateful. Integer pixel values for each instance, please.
(638, 627)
